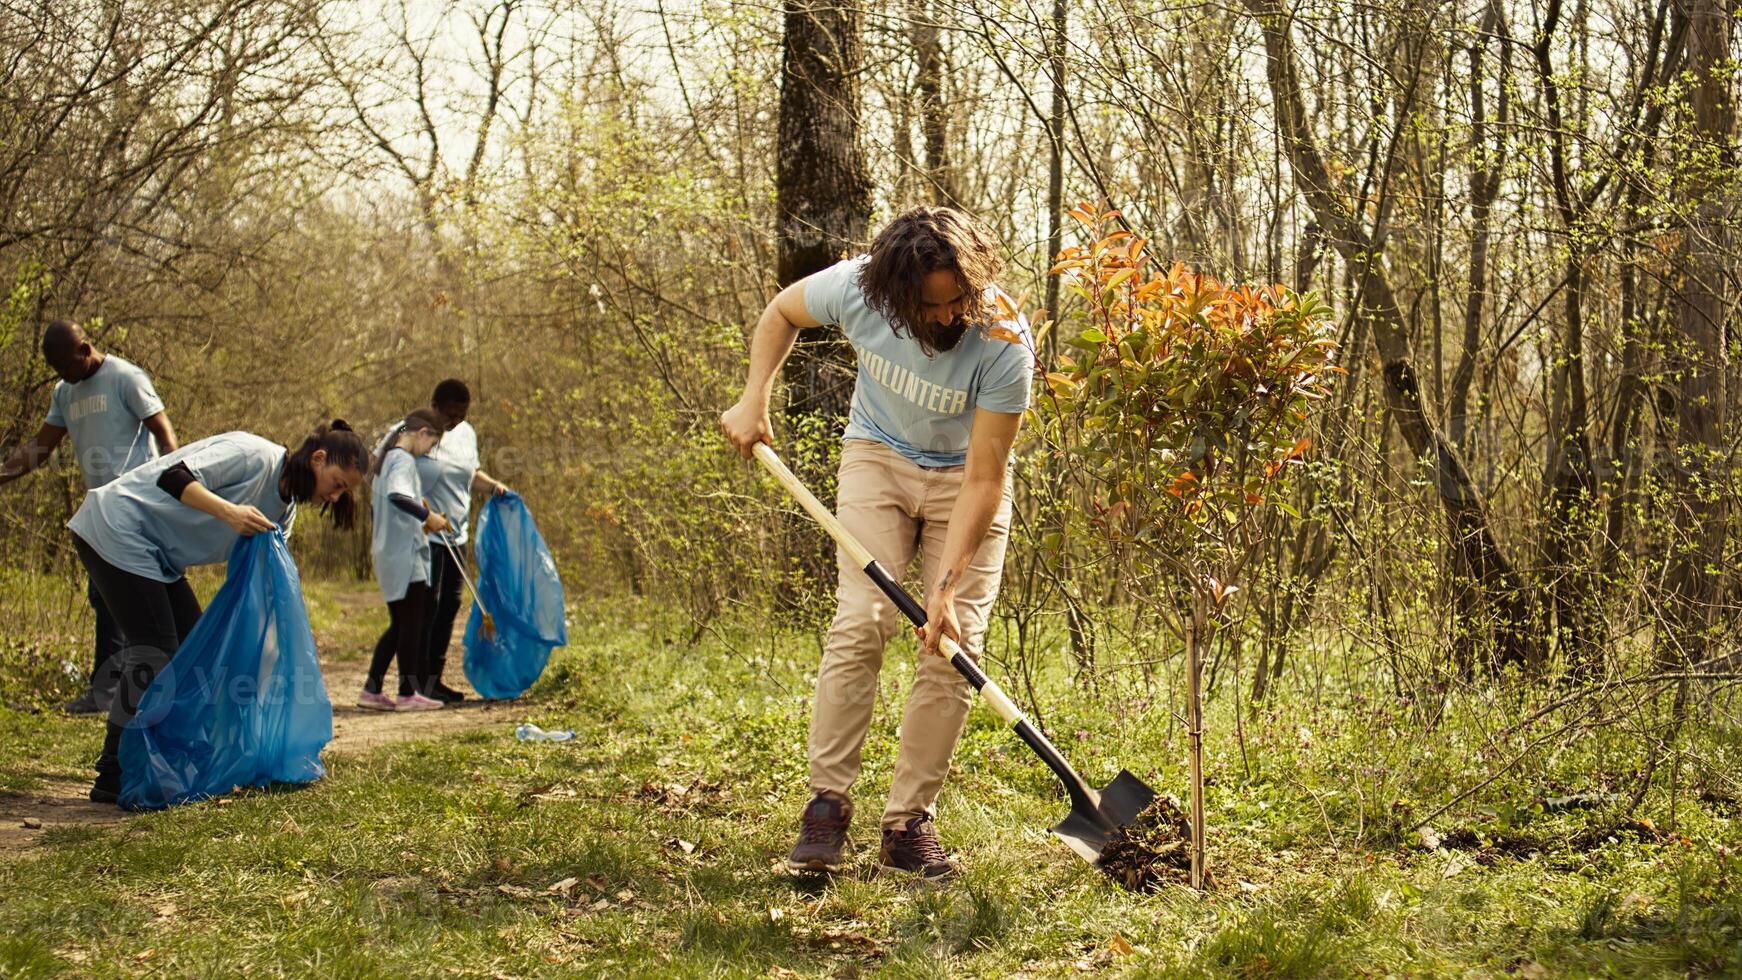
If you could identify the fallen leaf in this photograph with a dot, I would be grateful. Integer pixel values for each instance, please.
(625, 896)
(598, 881)
(1532, 969)
(683, 845)
(144, 955)
(601, 905)
(849, 934)
(516, 891)
(563, 887)
(781, 971)
(1120, 945)
(776, 914)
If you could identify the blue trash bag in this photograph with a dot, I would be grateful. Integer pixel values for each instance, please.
(519, 585)
(242, 702)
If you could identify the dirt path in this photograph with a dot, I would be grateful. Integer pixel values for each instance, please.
(26, 816)
(358, 730)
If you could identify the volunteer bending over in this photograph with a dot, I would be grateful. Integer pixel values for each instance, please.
(138, 535)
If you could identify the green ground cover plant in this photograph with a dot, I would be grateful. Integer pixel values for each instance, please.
(649, 846)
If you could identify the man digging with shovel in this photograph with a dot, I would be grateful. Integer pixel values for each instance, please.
(939, 396)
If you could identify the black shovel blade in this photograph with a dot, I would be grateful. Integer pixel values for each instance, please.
(1093, 821)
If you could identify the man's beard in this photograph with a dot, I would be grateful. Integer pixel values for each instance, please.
(936, 338)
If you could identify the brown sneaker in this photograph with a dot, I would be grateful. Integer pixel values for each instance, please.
(822, 837)
(915, 850)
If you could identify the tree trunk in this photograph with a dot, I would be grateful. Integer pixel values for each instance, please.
(823, 206)
(1486, 167)
(1055, 177)
(1698, 368)
(822, 190)
(1477, 553)
(934, 115)
(1487, 163)
(1567, 477)
(1570, 507)
(1638, 322)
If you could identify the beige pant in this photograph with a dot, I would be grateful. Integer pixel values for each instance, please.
(893, 507)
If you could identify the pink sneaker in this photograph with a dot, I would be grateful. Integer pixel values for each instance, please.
(417, 702)
(375, 701)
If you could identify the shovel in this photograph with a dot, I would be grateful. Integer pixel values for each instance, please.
(488, 630)
(1097, 815)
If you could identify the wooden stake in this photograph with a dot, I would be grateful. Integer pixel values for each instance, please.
(1195, 729)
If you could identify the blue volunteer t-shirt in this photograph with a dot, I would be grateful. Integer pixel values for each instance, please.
(398, 545)
(138, 527)
(446, 474)
(920, 406)
(105, 417)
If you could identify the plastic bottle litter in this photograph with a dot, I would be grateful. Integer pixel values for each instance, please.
(528, 732)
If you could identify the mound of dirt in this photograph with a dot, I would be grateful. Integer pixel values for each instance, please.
(1154, 851)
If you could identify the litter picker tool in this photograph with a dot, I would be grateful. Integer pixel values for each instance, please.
(489, 628)
(1098, 816)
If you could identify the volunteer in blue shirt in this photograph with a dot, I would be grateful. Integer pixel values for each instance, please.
(943, 379)
(400, 550)
(116, 421)
(450, 474)
(138, 535)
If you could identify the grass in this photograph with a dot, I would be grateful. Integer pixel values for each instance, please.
(651, 844)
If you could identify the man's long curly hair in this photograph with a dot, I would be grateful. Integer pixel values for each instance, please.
(927, 239)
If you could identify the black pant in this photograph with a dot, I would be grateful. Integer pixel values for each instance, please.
(109, 639)
(403, 639)
(154, 618)
(445, 581)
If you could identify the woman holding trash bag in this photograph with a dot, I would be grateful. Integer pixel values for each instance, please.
(138, 535)
(400, 550)
(450, 473)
